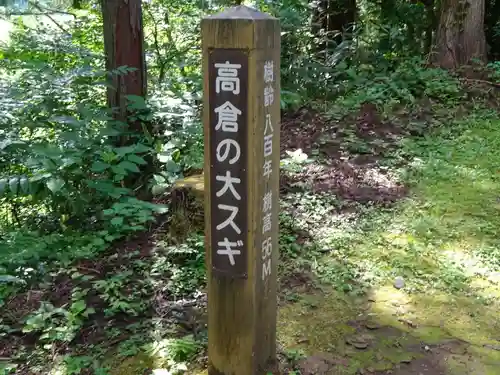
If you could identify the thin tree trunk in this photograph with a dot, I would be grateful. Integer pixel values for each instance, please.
(331, 18)
(386, 14)
(431, 25)
(341, 15)
(491, 20)
(123, 44)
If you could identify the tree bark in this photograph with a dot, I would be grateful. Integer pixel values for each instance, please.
(491, 19)
(341, 15)
(460, 36)
(332, 17)
(431, 25)
(474, 36)
(124, 46)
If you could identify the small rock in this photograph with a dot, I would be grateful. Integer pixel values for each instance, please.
(493, 347)
(408, 322)
(161, 372)
(360, 344)
(372, 325)
(357, 342)
(399, 282)
(314, 366)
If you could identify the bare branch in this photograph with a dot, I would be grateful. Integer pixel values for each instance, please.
(41, 9)
(50, 10)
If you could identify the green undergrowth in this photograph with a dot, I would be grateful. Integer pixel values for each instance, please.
(339, 257)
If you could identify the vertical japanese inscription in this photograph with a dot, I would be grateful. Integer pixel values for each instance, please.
(228, 84)
(268, 169)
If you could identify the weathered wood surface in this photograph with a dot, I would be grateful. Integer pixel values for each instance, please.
(242, 300)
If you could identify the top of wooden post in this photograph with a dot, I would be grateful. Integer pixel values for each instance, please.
(241, 12)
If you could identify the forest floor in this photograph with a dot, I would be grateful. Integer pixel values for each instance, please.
(405, 235)
(390, 262)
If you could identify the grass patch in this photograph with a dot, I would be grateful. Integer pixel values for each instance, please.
(443, 239)
(445, 235)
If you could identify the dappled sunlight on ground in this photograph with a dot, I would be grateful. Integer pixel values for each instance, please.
(389, 328)
(442, 240)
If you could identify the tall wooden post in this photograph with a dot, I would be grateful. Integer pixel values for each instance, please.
(241, 62)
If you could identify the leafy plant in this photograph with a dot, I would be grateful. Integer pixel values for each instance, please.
(131, 215)
(57, 323)
(120, 294)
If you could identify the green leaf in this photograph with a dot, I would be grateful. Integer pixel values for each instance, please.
(9, 142)
(140, 148)
(49, 164)
(99, 242)
(118, 169)
(72, 136)
(13, 185)
(159, 179)
(161, 208)
(35, 187)
(129, 166)
(11, 279)
(164, 158)
(110, 132)
(99, 166)
(136, 159)
(118, 220)
(25, 185)
(136, 102)
(122, 151)
(172, 166)
(3, 185)
(159, 189)
(90, 311)
(70, 120)
(168, 146)
(39, 177)
(55, 184)
(78, 306)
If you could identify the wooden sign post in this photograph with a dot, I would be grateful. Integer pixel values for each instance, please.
(241, 62)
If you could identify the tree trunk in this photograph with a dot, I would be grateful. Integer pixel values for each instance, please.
(431, 25)
(491, 20)
(123, 45)
(460, 36)
(474, 36)
(387, 18)
(331, 18)
(341, 16)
